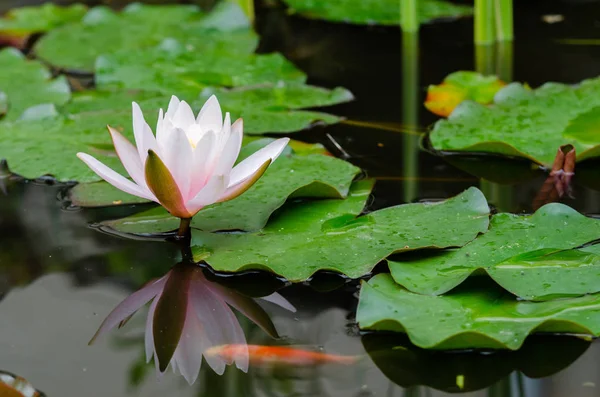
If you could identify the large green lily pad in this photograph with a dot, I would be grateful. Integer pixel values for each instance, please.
(63, 135)
(275, 108)
(480, 315)
(554, 226)
(102, 31)
(526, 123)
(27, 83)
(407, 365)
(27, 20)
(381, 12)
(173, 67)
(310, 236)
(312, 175)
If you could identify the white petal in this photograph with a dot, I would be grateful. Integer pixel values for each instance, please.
(210, 116)
(249, 165)
(130, 305)
(129, 157)
(209, 194)
(159, 122)
(199, 171)
(173, 105)
(184, 116)
(144, 139)
(149, 336)
(188, 355)
(178, 156)
(279, 301)
(230, 151)
(114, 178)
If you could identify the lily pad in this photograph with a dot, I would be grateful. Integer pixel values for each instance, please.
(3, 103)
(554, 226)
(173, 67)
(67, 133)
(275, 108)
(28, 83)
(407, 365)
(306, 237)
(480, 315)
(313, 175)
(459, 86)
(380, 12)
(27, 20)
(102, 31)
(526, 123)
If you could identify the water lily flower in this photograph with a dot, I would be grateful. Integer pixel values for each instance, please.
(188, 316)
(190, 162)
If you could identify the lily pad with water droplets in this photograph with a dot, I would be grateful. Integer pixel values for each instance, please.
(479, 315)
(28, 83)
(275, 108)
(173, 67)
(374, 12)
(313, 175)
(24, 21)
(305, 237)
(505, 253)
(102, 31)
(526, 123)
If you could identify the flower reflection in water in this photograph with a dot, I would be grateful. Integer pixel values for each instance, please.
(15, 386)
(189, 315)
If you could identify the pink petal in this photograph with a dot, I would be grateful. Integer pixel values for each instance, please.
(249, 165)
(129, 156)
(188, 354)
(279, 301)
(231, 150)
(148, 336)
(129, 306)
(184, 116)
(202, 153)
(209, 194)
(178, 158)
(114, 178)
(144, 139)
(210, 116)
(233, 191)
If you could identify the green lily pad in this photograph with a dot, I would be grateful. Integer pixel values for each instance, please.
(312, 175)
(480, 315)
(67, 133)
(526, 123)
(102, 31)
(442, 99)
(380, 12)
(549, 273)
(3, 103)
(275, 108)
(555, 226)
(28, 83)
(407, 365)
(27, 20)
(173, 67)
(310, 236)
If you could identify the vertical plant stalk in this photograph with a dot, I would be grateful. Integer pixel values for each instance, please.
(408, 16)
(410, 114)
(504, 60)
(184, 227)
(484, 22)
(504, 20)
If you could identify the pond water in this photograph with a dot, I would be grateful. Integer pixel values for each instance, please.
(60, 277)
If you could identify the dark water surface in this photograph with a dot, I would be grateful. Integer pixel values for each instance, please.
(59, 277)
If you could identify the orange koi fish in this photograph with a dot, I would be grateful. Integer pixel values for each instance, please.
(265, 355)
(15, 386)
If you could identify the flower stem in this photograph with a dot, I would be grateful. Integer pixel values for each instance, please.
(408, 14)
(484, 22)
(504, 20)
(184, 227)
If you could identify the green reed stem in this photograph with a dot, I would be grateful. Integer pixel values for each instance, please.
(504, 19)
(408, 16)
(410, 114)
(484, 22)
